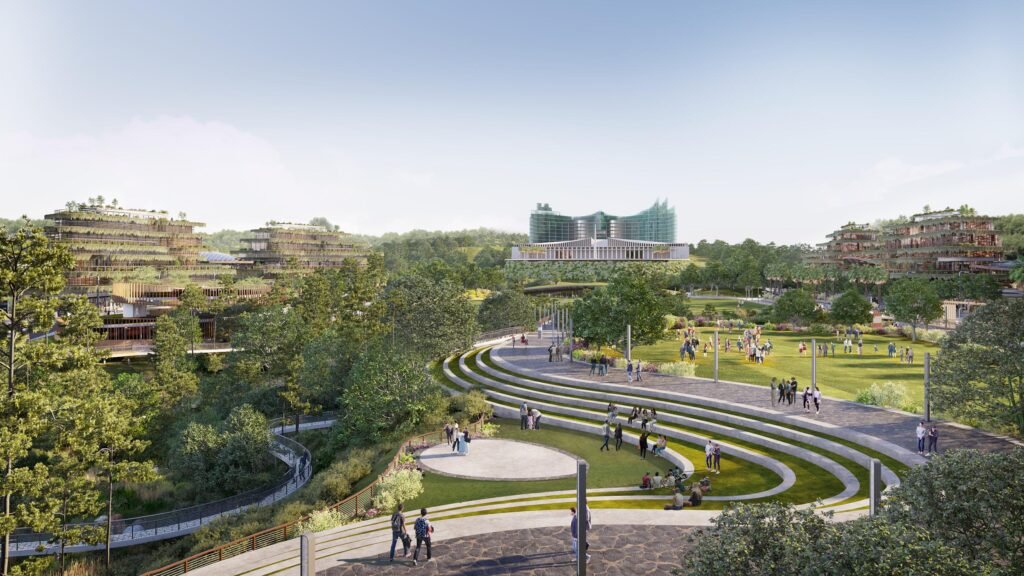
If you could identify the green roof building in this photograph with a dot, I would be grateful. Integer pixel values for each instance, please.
(656, 224)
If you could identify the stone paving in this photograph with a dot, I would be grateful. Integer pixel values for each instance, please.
(629, 550)
(495, 459)
(893, 426)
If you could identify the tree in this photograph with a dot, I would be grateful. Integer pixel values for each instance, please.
(978, 374)
(914, 301)
(971, 500)
(629, 299)
(504, 310)
(851, 308)
(174, 368)
(796, 306)
(432, 319)
(389, 393)
(31, 275)
(1017, 272)
(690, 277)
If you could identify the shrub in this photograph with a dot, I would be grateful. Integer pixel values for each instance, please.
(769, 326)
(489, 430)
(336, 482)
(400, 486)
(888, 394)
(323, 520)
(683, 369)
(472, 404)
(819, 329)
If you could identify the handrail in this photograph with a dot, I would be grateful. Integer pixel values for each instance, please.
(176, 523)
(351, 506)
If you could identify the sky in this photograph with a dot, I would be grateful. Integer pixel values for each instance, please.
(778, 121)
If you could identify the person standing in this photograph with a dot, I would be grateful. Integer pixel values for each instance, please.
(772, 395)
(639, 371)
(455, 435)
(817, 400)
(643, 445)
(448, 432)
(717, 458)
(933, 440)
(398, 532)
(593, 365)
(709, 451)
(574, 529)
(551, 353)
(922, 432)
(524, 413)
(793, 386)
(423, 531)
(782, 391)
(618, 436)
(536, 418)
(807, 398)
(606, 430)
(629, 371)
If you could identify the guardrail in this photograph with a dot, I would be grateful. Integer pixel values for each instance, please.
(352, 506)
(175, 523)
(495, 334)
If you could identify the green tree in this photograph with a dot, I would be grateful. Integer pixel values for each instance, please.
(431, 319)
(1017, 272)
(970, 499)
(389, 393)
(978, 374)
(629, 299)
(851, 308)
(175, 376)
(796, 306)
(505, 309)
(31, 276)
(690, 277)
(914, 301)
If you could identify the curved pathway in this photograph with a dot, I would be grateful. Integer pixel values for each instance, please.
(146, 529)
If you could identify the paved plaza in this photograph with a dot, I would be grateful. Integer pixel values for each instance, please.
(495, 459)
(890, 425)
(629, 550)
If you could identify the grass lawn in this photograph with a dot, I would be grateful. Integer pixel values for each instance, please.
(841, 376)
(722, 305)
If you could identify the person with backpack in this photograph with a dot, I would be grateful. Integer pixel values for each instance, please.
(398, 532)
(423, 530)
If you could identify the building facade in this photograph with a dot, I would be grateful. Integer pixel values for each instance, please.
(932, 244)
(280, 246)
(656, 224)
(604, 250)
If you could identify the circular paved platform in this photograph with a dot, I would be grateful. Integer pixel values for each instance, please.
(494, 459)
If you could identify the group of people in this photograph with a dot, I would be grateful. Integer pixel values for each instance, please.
(713, 457)
(422, 528)
(906, 354)
(529, 418)
(522, 341)
(459, 440)
(673, 478)
(648, 418)
(929, 434)
(599, 365)
(785, 392)
(555, 353)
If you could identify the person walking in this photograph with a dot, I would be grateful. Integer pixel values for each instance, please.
(524, 416)
(922, 433)
(593, 365)
(423, 531)
(793, 386)
(629, 371)
(817, 400)
(448, 432)
(574, 529)
(536, 418)
(639, 371)
(606, 430)
(642, 443)
(398, 532)
(933, 440)
(807, 398)
(618, 436)
(772, 394)
(782, 391)
(716, 461)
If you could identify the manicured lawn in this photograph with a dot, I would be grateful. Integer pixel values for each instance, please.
(722, 305)
(841, 376)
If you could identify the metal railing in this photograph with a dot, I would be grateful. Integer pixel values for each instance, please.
(495, 334)
(352, 506)
(175, 523)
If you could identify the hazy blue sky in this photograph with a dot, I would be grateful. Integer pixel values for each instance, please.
(773, 120)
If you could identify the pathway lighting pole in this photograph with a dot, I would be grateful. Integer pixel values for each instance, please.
(716, 356)
(582, 516)
(814, 365)
(927, 387)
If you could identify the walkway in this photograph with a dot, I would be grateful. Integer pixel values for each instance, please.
(628, 550)
(885, 424)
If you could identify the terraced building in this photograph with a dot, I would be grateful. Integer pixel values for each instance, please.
(113, 244)
(279, 247)
(931, 244)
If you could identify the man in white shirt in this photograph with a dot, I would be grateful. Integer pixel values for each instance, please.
(922, 432)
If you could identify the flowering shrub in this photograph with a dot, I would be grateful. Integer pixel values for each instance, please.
(323, 520)
(398, 486)
(371, 513)
(683, 369)
(489, 430)
(888, 394)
